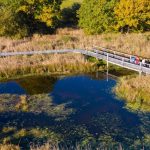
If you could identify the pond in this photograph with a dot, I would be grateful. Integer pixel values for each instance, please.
(69, 110)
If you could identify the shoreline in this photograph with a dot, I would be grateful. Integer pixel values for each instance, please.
(11, 67)
(139, 87)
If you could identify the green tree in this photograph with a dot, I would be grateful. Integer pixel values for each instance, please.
(21, 18)
(45, 11)
(11, 22)
(132, 15)
(97, 16)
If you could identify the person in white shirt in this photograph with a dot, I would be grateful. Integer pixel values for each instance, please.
(143, 62)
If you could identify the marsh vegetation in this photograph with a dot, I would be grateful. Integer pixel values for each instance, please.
(48, 64)
(135, 91)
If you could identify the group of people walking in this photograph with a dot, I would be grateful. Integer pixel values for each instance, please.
(136, 60)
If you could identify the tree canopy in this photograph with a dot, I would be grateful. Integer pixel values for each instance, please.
(132, 15)
(23, 17)
(97, 16)
(20, 18)
(46, 11)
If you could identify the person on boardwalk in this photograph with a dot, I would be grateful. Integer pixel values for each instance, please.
(143, 62)
(137, 60)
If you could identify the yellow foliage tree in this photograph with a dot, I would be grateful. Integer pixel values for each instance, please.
(42, 10)
(46, 15)
(132, 15)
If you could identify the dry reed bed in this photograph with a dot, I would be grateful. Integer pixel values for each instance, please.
(134, 43)
(39, 64)
(9, 147)
(135, 91)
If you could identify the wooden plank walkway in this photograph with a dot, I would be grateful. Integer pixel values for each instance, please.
(113, 58)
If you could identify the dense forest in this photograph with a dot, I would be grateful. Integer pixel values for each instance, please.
(22, 18)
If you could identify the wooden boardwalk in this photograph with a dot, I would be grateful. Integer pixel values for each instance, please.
(116, 58)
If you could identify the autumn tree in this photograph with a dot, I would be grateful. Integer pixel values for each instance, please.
(45, 12)
(11, 22)
(132, 15)
(20, 18)
(97, 16)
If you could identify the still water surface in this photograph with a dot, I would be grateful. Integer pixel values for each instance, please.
(69, 109)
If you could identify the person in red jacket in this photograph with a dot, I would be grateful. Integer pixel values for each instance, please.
(137, 60)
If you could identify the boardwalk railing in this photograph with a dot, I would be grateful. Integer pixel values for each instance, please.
(114, 58)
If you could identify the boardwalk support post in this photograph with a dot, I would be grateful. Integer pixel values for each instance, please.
(107, 74)
(122, 61)
(107, 60)
(140, 72)
(107, 66)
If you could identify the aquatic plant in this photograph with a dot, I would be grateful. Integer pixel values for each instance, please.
(40, 103)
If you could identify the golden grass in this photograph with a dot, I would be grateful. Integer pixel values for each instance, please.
(134, 43)
(50, 64)
(9, 147)
(135, 91)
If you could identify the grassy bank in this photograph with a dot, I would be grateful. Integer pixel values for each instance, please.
(134, 43)
(49, 64)
(135, 91)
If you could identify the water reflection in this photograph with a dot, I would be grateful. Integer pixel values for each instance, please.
(29, 85)
(79, 108)
(11, 87)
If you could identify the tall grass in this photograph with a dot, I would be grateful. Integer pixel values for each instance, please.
(9, 147)
(135, 91)
(50, 64)
(134, 43)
